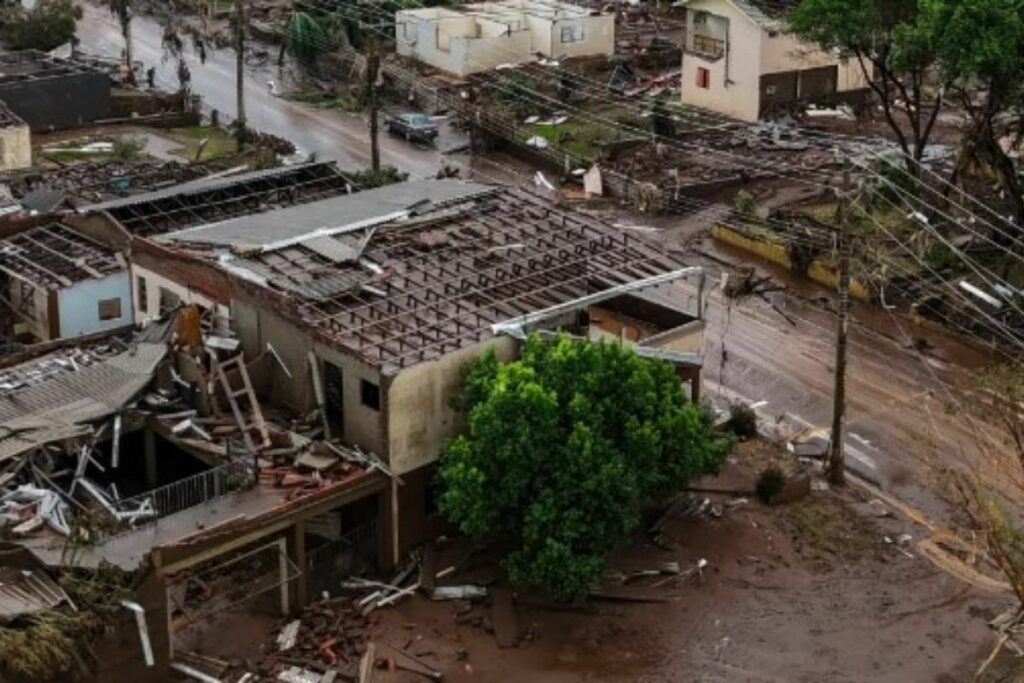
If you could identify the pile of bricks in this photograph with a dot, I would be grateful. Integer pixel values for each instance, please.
(331, 637)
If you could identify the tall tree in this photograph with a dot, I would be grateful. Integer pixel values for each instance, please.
(895, 58)
(979, 45)
(564, 448)
(50, 24)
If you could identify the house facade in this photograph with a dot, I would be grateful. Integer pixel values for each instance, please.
(60, 284)
(479, 37)
(738, 61)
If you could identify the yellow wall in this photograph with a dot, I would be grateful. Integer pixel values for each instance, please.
(419, 413)
(819, 272)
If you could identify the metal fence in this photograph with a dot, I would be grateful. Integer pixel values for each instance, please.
(191, 491)
(333, 562)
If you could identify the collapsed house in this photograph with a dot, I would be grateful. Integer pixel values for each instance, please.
(275, 426)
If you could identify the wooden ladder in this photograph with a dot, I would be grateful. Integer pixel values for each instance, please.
(256, 422)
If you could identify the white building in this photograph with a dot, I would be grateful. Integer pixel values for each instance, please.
(481, 36)
(737, 61)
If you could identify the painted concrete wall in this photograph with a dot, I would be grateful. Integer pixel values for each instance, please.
(154, 281)
(457, 43)
(40, 328)
(783, 52)
(362, 425)
(15, 148)
(78, 305)
(751, 51)
(419, 412)
(256, 327)
(598, 35)
(736, 77)
(512, 32)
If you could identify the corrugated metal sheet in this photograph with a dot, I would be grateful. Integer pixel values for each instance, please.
(199, 185)
(23, 591)
(331, 249)
(297, 223)
(54, 409)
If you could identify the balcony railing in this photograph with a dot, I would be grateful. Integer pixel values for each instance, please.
(705, 45)
(189, 492)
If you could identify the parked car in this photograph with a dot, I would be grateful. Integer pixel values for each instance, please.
(412, 126)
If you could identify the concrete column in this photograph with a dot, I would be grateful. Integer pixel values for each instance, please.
(299, 558)
(149, 450)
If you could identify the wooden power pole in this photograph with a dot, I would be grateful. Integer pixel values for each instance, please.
(240, 19)
(372, 66)
(836, 457)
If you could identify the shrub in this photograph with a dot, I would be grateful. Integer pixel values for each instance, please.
(742, 421)
(770, 483)
(744, 203)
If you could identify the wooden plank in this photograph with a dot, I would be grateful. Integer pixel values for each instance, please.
(427, 568)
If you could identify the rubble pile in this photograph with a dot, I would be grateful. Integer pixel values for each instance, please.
(103, 179)
(328, 635)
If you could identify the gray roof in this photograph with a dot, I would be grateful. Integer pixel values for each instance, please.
(64, 406)
(196, 186)
(328, 216)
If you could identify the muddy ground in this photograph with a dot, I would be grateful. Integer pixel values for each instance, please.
(828, 588)
(809, 591)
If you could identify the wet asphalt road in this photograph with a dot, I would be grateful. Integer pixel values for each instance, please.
(329, 134)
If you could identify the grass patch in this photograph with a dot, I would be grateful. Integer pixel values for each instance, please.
(579, 138)
(219, 142)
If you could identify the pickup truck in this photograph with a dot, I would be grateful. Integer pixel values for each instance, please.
(413, 127)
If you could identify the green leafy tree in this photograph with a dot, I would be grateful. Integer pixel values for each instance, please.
(979, 45)
(563, 450)
(895, 57)
(305, 39)
(50, 24)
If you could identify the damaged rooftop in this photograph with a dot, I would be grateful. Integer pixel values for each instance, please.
(54, 256)
(407, 273)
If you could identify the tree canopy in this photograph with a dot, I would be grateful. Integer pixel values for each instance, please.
(895, 56)
(48, 25)
(564, 448)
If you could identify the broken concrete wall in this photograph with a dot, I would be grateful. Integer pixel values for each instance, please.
(419, 520)
(363, 425)
(15, 147)
(419, 404)
(256, 327)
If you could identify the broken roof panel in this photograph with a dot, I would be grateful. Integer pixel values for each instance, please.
(439, 280)
(283, 227)
(207, 200)
(65, 404)
(54, 256)
(24, 591)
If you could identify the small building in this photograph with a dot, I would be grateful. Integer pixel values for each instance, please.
(15, 141)
(53, 94)
(57, 283)
(481, 36)
(738, 61)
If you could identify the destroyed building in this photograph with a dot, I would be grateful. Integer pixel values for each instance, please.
(57, 283)
(50, 93)
(275, 425)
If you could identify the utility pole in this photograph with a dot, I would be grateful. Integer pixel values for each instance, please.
(240, 67)
(372, 65)
(836, 457)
